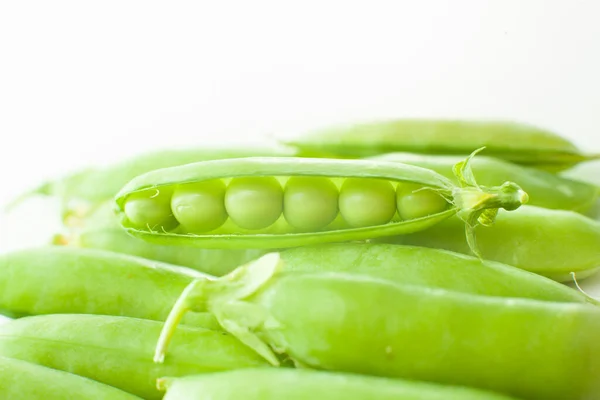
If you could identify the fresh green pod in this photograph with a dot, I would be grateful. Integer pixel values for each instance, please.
(544, 188)
(432, 268)
(64, 280)
(521, 347)
(519, 143)
(365, 189)
(552, 243)
(23, 380)
(117, 351)
(91, 186)
(296, 384)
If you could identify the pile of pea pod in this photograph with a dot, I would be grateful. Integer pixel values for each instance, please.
(404, 259)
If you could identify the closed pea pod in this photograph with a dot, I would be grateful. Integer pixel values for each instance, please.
(23, 380)
(519, 143)
(295, 384)
(367, 201)
(526, 348)
(432, 268)
(118, 351)
(552, 243)
(545, 189)
(57, 280)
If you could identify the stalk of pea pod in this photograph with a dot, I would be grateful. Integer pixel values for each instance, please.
(355, 323)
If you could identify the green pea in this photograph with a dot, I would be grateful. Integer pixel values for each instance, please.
(150, 209)
(200, 207)
(415, 201)
(525, 348)
(23, 380)
(297, 384)
(367, 202)
(60, 280)
(310, 203)
(117, 351)
(254, 202)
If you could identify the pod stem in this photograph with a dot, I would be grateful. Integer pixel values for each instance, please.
(224, 298)
(479, 205)
(182, 305)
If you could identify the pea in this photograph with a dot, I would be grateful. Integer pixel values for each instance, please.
(200, 207)
(367, 202)
(415, 201)
(310, 203)
(522, 347)
(297, 384)
(150, 209)
(254, 202)
(23, 380)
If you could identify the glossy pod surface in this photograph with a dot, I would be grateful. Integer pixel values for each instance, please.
(521, 347)
(57, 280)
(428, 267)
(26, 381)
(286, 202)
(118, 351)
(530, 238)
(545, 189)
(519, 143)
(294, 384)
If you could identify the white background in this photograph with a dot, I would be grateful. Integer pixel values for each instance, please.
(86, 82)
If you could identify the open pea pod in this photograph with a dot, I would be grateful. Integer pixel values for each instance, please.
(519, 143)
(277, 202)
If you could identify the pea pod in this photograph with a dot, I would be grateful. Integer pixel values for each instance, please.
(553, 243)
(56, 280)
(118, 351)
(519, 143)
(428, 267)
(525, 348)
(286, 202)
(23, 380)
(544, 188)
(294, 384)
